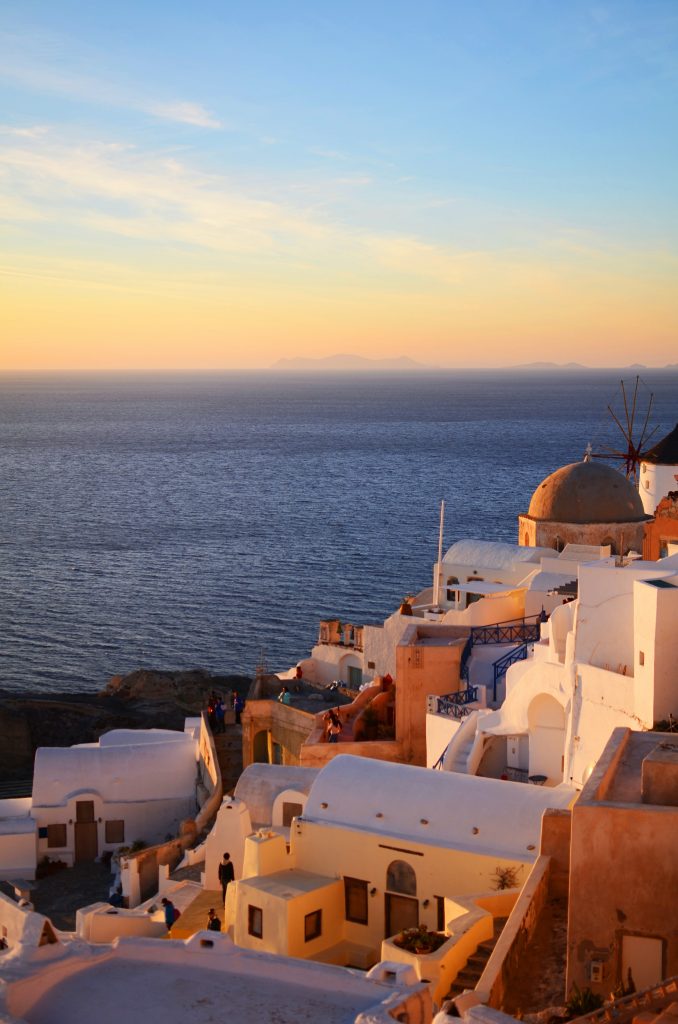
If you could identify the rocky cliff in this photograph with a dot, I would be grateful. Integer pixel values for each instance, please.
(144, 699)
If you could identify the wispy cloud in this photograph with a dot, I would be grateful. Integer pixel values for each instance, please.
(30, 132)
(41, 77)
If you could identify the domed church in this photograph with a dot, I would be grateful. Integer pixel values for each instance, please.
(584, 503)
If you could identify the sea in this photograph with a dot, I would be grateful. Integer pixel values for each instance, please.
(183, 521)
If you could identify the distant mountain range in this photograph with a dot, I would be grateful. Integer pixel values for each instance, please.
(350, 363)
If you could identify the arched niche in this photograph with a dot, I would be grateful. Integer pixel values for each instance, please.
(546, 724)
(287, 805)
(401, 878)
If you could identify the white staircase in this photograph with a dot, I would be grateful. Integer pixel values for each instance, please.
(460, 746)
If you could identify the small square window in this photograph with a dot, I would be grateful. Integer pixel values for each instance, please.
(255, 921)
(313, 925)
(115, 831)
(56, 836)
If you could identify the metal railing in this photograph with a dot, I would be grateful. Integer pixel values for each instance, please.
(511, 632)
(455, 705)
(502, 665)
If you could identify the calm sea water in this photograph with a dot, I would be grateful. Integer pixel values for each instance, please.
(175, 522)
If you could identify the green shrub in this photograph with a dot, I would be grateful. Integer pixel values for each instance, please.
(581, 1001)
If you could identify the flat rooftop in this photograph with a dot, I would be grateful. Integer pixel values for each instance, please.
(625, 784)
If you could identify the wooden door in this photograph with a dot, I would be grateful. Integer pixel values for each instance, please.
(86, 838)
(401, 912)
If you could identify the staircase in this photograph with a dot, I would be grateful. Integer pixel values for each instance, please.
(228, 746)
(461, 756)
(470, 975)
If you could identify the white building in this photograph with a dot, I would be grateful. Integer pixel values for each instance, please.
(91, 798)
(659, 471)
(605, 660)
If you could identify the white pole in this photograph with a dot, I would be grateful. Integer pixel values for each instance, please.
(436, 589)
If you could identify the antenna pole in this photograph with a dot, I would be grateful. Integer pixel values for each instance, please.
(436, 589)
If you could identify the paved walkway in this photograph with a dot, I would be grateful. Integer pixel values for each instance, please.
(194, 917)
(58, 896)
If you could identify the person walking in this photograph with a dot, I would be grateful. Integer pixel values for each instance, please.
(171, 912)
(226, 874)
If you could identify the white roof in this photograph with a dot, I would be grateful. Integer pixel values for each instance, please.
(433, 807)
(140, 980)
(492, 554)
(145, 770)
(260, 784)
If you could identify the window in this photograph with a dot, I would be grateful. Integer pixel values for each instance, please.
(313, 923)
(56, 835)
(440, 913)
(641, 657)
(451, 581)
(255, 921)
(115, 831)
(355, 898)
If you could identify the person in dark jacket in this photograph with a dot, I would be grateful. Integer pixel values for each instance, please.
(226, 874)
(213, 922)
(170, 912)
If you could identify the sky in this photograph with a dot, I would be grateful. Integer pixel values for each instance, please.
(223, 184)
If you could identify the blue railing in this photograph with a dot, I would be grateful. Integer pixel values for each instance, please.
(503, 664)
(456, 704)
(511, 632)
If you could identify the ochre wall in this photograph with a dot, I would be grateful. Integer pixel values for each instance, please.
(537, 533)
(663, 527)
(623, 879)
(286, 725)
(422, 669)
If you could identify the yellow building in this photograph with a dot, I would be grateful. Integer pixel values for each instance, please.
(379, 848)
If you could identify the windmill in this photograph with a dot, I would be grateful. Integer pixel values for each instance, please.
(636, 442)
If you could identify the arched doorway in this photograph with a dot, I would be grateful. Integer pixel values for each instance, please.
(350, 670)
(260, 747)
(546, 723)
(401, 905)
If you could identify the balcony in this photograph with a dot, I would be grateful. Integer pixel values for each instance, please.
(340, 634)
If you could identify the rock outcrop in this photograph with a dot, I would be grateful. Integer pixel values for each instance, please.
(144, 699)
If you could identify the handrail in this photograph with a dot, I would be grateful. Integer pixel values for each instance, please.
(454, 703)
(505, 634)
(503, 664)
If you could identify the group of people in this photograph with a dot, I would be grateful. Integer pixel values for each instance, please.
(226, 876)
(216, 710)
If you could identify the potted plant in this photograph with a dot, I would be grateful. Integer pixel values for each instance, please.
(420, 940)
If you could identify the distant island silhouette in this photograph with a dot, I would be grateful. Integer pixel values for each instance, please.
(351, 363)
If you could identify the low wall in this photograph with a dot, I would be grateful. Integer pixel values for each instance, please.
(469, 923)
(101, 923)
(507, 956)
(22, 926)
(139, 872)
(315, 755)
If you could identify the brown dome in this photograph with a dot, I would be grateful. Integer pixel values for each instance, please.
(586, 492)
